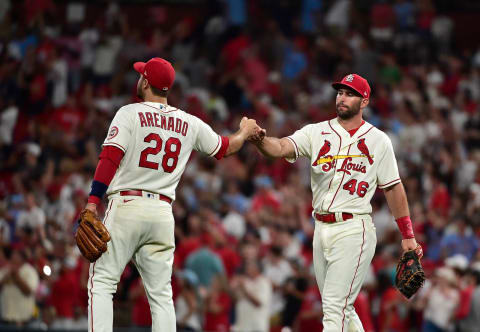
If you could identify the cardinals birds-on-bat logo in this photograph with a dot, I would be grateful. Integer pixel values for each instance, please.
(364, 149)
(323, 151)
(329, 161)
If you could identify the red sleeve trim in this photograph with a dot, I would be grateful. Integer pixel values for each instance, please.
(219, 141)
(115, 145)
(223, 148)
(381, 186)
(94, 199)
(295, 146)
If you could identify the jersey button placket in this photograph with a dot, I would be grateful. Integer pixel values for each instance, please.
(331, 189)
(338, 176)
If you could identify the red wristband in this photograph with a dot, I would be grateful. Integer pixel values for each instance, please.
(405, 227)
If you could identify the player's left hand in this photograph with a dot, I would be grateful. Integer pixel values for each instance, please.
(411, 244)
(409, 275)
(92, 207)
(91, 235)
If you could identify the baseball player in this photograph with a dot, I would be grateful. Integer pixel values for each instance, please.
(143, 157)
(349, 159)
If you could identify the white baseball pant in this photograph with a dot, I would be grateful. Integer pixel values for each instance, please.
(342, 252)
(143, 229)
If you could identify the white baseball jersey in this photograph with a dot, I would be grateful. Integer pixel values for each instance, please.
(346, 170)
(157, 140)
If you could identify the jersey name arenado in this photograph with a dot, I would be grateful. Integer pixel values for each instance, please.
(157, 140)
(345, 171)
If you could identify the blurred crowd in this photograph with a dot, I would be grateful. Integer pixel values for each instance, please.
(243, 259)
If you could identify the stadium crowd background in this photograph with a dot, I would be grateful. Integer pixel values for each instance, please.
(244, 222)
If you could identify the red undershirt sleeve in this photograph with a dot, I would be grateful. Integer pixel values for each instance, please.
(110, 159)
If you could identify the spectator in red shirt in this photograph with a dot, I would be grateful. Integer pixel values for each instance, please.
(188, 242)
(440, 198)
(38, 87)
(382, 17)
(64, 295)
(34, 10)
(218, 305)
(256, 71)
(393, 307)
(362, 307)
(141, 310)
(468, 283)
(265, 196)
(225, 250)
(311, 313)
(232, 51)
(68, 117)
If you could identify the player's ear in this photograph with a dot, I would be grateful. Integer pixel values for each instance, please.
(365, 102)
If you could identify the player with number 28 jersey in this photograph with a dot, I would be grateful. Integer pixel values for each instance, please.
(143, 157)
(157, 137)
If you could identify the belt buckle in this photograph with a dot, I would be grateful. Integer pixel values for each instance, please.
(338, 216)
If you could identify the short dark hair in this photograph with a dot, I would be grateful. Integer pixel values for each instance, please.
(158, 92)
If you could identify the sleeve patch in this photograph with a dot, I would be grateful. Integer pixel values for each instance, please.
(113, 132)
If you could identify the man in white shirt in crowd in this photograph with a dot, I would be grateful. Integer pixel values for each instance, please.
(253, 293)
(18, 283)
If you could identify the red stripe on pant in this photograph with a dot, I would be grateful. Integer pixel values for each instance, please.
(93, 273)
(355, 274)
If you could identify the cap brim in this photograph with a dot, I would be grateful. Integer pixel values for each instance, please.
(339, 85)
(139, 67)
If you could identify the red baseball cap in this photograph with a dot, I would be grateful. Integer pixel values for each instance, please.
(158, 72)
(355, 82)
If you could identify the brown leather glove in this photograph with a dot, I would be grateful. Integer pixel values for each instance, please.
(91, 236)
(410, 276)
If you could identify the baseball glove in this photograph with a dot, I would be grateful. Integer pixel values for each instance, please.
(91, 236)
(410, 276)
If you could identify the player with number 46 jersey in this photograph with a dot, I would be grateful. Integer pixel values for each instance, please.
(144, 155)
(349, 159)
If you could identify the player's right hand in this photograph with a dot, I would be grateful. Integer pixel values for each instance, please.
(252, 131)
(248, 126)
(258, 136)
